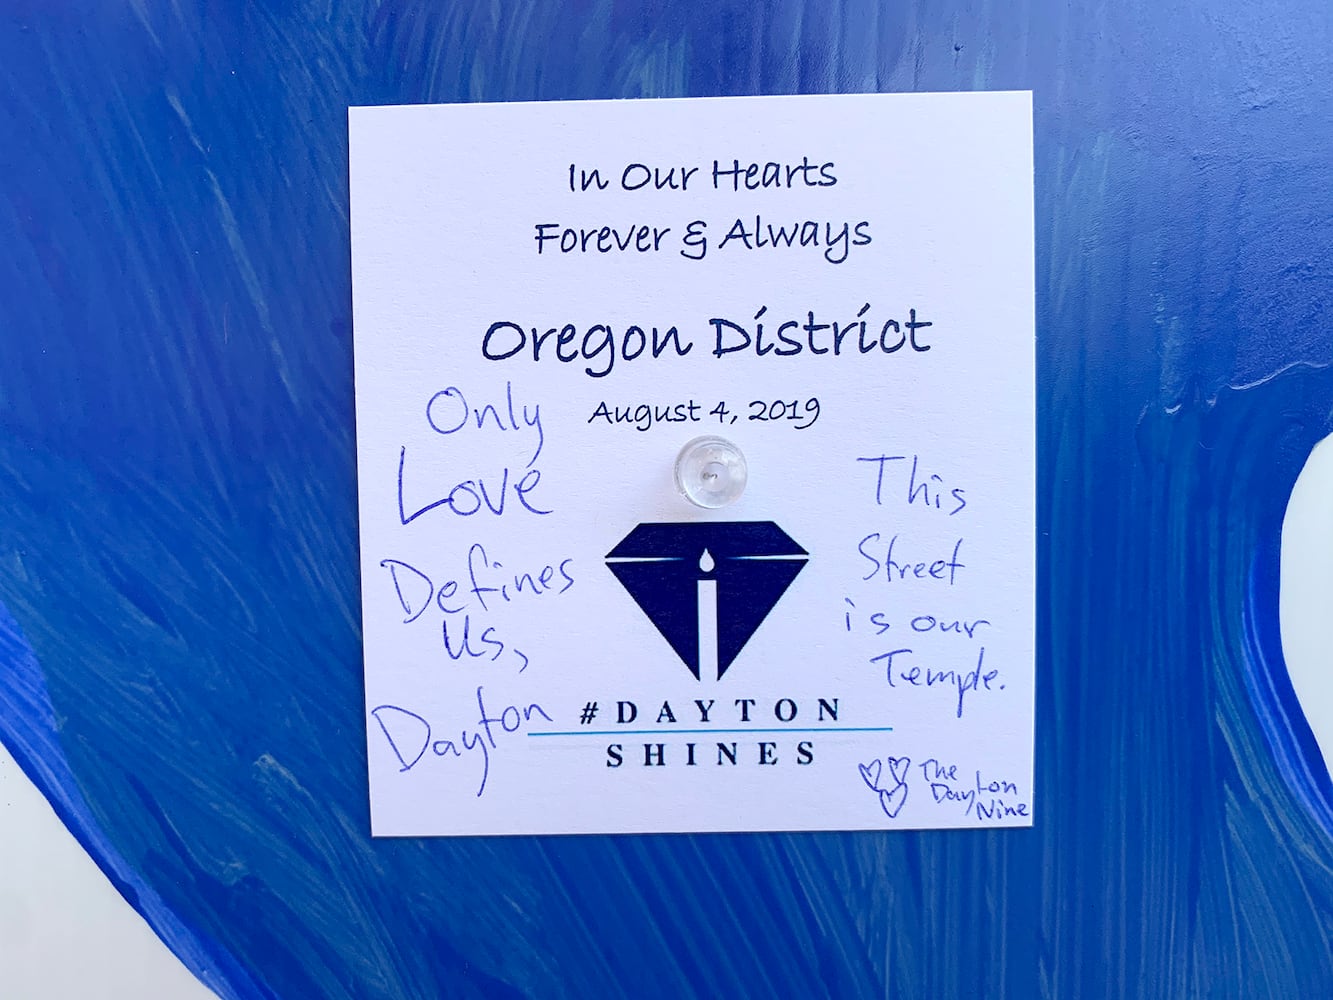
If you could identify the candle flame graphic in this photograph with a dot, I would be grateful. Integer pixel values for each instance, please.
(706, 562)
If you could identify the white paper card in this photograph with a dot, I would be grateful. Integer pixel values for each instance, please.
(551, 300)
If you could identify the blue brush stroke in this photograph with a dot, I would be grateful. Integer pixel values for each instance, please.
(178, 529)
(1298, 402)
(28, 726)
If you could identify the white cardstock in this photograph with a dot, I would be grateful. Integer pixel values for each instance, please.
(551, 300)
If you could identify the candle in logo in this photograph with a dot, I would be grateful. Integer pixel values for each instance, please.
(707, 590)
(707, 585)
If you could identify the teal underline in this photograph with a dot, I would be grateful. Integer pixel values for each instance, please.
(698, 732)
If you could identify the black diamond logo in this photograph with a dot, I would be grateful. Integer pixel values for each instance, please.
(707, 586)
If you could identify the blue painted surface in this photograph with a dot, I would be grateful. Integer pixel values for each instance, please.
(178, 524)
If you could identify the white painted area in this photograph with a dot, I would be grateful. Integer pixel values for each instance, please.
(64, 929)
(1305, 596)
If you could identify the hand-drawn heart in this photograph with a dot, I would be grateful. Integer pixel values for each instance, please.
(870, 773)
(892, 802)
(898, 767)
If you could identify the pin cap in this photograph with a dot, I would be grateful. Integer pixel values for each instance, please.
(710, 472)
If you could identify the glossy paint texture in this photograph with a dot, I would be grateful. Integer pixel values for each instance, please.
(180, 663)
